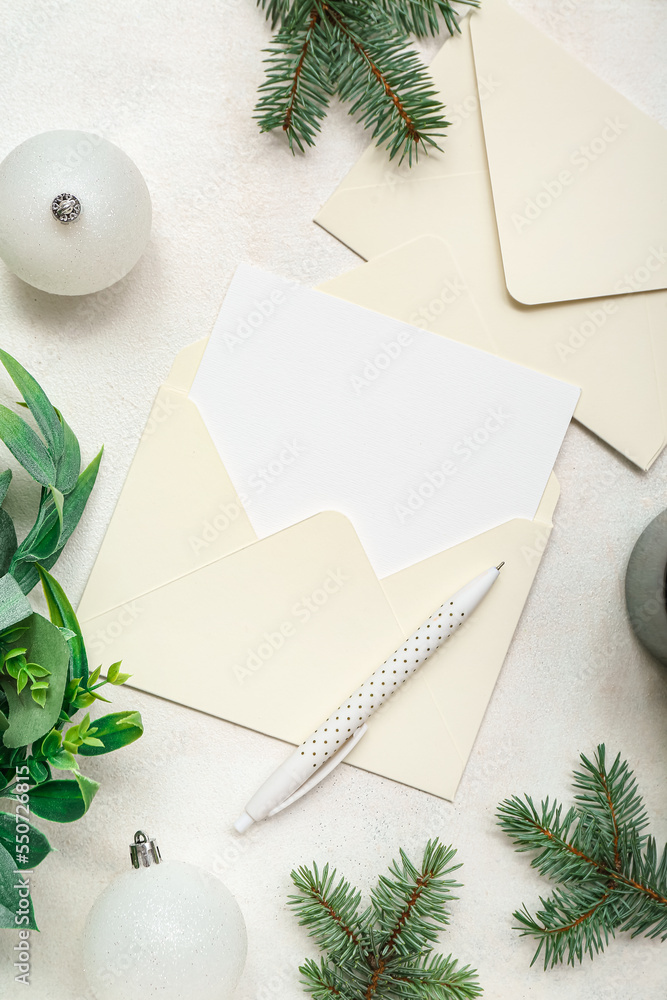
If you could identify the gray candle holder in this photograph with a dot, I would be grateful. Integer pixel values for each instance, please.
(645, 581)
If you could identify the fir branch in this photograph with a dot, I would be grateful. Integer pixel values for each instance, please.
(358, 49)
(276, 10)
(389, 88)
(623, 808)
(438, 978)
(609, 873)
(385, 952)
(420, 17)
(409, 905)
(296, 93)
(330, 911)
(324, 983)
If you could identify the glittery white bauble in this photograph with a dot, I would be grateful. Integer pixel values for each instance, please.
(106, 238)
(171, 931)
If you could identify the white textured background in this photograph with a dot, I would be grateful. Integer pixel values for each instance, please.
(173, 83)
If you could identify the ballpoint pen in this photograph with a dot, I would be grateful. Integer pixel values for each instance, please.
(332, 742)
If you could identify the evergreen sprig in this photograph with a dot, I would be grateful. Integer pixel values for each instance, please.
(359, 50)
(44, 674)
(384, 951)
(610, 874)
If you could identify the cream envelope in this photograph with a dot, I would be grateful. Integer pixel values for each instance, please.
(272, 634)
(578, 172)
(612, 347)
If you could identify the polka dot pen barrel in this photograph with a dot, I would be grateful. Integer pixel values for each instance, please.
(336, 737)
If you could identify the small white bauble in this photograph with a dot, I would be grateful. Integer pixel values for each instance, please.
(168, 930)
(75, 212)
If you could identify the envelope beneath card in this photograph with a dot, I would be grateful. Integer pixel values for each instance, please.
(576, 195)
(271, 634)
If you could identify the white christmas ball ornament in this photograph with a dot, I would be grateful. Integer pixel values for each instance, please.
(75, 212)
(168, 930)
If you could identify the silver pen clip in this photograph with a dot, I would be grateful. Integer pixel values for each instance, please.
(322, 771)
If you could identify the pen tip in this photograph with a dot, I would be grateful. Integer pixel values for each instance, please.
(243, 823)
(500, 565)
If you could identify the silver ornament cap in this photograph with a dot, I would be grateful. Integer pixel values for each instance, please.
(144, 852)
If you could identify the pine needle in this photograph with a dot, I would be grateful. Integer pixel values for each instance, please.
(385, 951)
(358, 50)
(608, 872)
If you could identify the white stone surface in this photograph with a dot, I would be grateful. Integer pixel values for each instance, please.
(173, 84)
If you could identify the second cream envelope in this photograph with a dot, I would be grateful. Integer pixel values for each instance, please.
(612, 347)
(272, 634)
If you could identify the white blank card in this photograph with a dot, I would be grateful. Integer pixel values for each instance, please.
(317, 404)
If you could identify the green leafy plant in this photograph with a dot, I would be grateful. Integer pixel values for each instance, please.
(44, 675)
(359, 50)
(610, 875)
(386, 951)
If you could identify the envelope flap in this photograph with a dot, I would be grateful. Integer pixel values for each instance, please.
(185, 365)
(457, 682)
(271, 636)
(177, 511)
(577, 170)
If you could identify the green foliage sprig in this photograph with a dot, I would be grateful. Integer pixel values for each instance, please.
(44, 675)
(385, 951)
(610, 874)
(359, 50)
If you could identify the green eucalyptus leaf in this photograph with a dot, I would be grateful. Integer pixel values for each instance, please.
(5, 480)
(58, 500)
(4, 722)
(27, 447)
(45, 544)
(8, 541)
(76, 500)
(38, 403)
(69, 465)
(62, 800)
(14, 605)
(62, 615)
(29, 721)
(37, 842)
(10, 898)
(114, 731)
